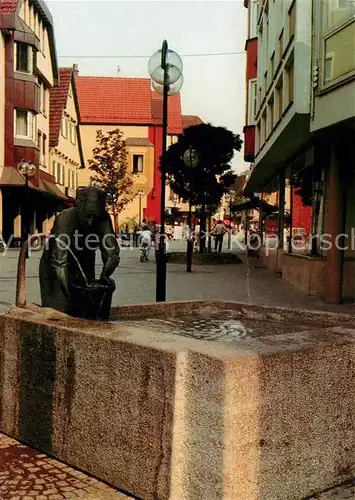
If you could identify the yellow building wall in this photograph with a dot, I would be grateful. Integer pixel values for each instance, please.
(67, 153)
(142, 181)
(65, 146)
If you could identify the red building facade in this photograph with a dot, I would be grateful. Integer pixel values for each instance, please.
(251, 47)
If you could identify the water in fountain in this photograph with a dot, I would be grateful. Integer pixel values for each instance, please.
(221, 326)
(75, 258)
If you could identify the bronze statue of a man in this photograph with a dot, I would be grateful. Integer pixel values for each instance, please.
(76, 235)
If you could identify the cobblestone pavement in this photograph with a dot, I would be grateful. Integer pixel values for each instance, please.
(26, 474)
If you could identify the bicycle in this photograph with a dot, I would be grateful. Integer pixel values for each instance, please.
(144, 256)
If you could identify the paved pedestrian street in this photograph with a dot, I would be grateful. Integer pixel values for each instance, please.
(248, 282)
(26, 474)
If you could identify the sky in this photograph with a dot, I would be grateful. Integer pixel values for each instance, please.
(105, 32)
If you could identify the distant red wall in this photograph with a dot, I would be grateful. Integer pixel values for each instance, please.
(301, 215)
(251, 48)
(252, 58)
(154, 197)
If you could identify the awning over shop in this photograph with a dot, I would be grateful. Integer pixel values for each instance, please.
(52, 189)
(11, 177)
(42, 182)
(255, 204)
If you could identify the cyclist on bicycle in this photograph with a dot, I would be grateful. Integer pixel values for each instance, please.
(145, 239)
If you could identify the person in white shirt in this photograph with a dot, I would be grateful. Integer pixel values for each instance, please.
(196, 235)
(219, 231)
(145, 239)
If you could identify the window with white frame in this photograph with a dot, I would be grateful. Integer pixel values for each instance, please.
(24, 57)
(44, 150)
(252, 100)
(44, 99)
(254, 14)
(25, 11)
(40, 34)
(337, 12)
(64, 126)
(338, 39)
(59, 173)
(31, 19)
(137, 163)
(339, 50)
(25, 124)
(263, 129)
(36, 24)
(72, 133)
(71, 179)
(44, 39)
(258, 136)
(270, 116)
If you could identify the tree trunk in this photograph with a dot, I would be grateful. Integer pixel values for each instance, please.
(115, 221)
(203, 230)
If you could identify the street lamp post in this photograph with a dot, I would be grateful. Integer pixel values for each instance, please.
(27, 169)
(191, 159)
(231, 197)
(165, 69)
(140, 194)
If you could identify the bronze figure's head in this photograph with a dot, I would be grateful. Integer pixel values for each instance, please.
(91, 206)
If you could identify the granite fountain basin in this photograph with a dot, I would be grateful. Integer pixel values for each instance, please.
(186, 400)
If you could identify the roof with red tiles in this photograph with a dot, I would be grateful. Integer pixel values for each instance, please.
(124, 101)
(118, 100)
(174, 112)
(8, 6)
(190, 120)
(57, 102)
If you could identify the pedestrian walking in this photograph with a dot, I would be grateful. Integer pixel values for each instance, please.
(219, 232)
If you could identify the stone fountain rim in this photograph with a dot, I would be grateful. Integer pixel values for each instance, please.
(336, 328)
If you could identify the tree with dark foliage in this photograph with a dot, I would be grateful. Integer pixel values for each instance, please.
(203, 185)
(111, 171)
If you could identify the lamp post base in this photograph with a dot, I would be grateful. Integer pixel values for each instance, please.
(189, 256)
(160, 256)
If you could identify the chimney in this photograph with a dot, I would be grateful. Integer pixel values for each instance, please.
(75, 69)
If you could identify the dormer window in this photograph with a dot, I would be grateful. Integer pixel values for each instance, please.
(24, 58)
